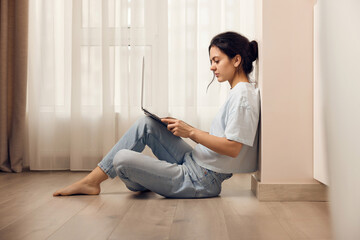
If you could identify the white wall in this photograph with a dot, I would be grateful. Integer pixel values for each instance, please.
(339, 53)
(320, 159)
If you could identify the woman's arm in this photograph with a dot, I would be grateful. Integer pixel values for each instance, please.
(220, 145)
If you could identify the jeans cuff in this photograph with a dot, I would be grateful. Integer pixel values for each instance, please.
(110, 172)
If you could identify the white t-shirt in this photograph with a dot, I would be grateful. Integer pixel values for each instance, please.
(238, 121)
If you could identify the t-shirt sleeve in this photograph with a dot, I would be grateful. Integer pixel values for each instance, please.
(241, 124)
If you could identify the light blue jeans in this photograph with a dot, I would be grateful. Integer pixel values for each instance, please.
(174, 174)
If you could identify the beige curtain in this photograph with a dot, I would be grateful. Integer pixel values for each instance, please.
(13, 71)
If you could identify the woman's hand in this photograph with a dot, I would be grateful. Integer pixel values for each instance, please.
(178, 127)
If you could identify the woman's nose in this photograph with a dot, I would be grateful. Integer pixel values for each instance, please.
(212, 67)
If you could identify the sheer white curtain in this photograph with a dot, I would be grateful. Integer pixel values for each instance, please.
(85, 70)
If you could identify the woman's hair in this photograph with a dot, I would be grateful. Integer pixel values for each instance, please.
(232, 43)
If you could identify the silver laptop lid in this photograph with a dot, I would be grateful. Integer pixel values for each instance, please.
(146, 112)
(142, 82)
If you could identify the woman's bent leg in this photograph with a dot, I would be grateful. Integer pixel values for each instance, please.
(140, 172)
(147, 131)
(172, 180)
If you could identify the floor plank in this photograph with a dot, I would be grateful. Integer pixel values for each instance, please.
(44, 220)
(150, 217)
(199, 219)
(34, 191)
(303, 220)
(245, 216)
(96, 221)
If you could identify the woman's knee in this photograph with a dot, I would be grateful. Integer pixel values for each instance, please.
(146, 122)
(122, 158)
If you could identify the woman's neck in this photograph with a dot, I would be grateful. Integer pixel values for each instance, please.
(238, 78)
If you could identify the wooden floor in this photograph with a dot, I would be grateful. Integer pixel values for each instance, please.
(28, 211)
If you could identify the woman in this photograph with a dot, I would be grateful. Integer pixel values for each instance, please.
(180, 171)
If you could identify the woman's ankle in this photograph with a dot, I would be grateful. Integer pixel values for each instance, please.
(96, 177)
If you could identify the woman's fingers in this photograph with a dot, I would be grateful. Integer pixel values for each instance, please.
(167, 119)
(171, 123)
(171, 127)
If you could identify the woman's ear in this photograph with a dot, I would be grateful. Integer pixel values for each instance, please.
(237, 60)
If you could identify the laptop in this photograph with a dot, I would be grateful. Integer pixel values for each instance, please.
(146, 112)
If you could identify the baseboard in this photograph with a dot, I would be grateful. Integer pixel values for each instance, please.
(317, 192)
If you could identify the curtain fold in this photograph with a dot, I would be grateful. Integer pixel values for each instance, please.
(13, 83)
(85, 70)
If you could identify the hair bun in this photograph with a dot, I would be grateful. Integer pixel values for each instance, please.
(253, 47)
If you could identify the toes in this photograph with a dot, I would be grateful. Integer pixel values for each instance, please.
(57, 193)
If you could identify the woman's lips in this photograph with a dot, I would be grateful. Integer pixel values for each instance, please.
(216, 74)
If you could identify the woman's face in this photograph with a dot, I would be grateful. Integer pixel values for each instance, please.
(223, 68)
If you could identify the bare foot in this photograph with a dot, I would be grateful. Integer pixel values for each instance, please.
(80, 187)
(89, 185)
